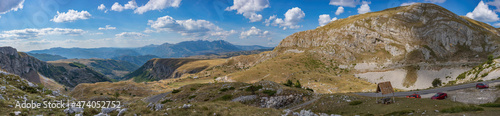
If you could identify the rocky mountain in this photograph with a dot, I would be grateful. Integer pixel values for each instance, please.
(166, 50)
(46, 57)
(32, 69)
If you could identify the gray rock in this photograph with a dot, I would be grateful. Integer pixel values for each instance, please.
(186, 106)
(122, 111)
(72, 110)
(1, 98)
(279, 101)
(108, 110)
(245, 98)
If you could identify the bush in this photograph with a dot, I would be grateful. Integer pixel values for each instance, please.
(288, 83)
(400, 113)
(165, 101)
(226, 97)
(191, 97)
(436, 82)
(253, 88)
(223, 89)
(484, 75)
(193, 89)
(461, 109)
(461, 76)
(353, 103)
(490, 105)
(298, 85)
(269, 92)
(309, 89)
(490, 59)
(176, 91)
(231, 88)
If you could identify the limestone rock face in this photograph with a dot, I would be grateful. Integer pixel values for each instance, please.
(415, 33)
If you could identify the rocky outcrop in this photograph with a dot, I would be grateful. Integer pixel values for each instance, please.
(415, 33)
(279, 101)
(30, 68)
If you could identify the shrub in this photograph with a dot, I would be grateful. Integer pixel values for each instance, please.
(353, 103)
(436, 82)
(193, 89)
(231, 88)
(191, 97)
(490, 59)
(309, 89)
(253, 88)
(298, 85)
(165, 101)
(269, 92)
(176, 91)
(288, 83)
(461, 109)
(226, 97)
(484, 75)
(490, 105)
(400, 113)
(461, 76)
(223, 89)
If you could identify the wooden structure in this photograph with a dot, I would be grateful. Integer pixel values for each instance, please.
(385, 88)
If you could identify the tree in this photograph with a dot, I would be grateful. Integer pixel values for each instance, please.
(490, 59)
(288, 83)
(436, 82)
(297, 85)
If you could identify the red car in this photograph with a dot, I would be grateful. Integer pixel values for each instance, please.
(440, 96)
(413, 96)
(481, 86)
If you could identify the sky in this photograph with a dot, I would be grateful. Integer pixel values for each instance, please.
(42, 24)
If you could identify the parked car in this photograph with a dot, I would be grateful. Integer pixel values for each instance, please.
(481, 86)
(440, 96)
(413, 96)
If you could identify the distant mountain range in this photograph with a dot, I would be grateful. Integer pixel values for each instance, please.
(166, 50)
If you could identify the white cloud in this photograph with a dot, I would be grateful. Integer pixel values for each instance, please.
(188, 27)
(34, 33)
(254, 32)
(364, 8)
(325, 19)
(483, 13)
(130, 34)
(223, 34)
(157, 5)
(292, 18)
(70, 16)
(108, 27)
(407, 3)
(130, 5)
(495, 3)
(339, 11)
(101, 7)
(436, 1)
(496, 24)
(269, 20)
(348, 3)
(249, 8)
(10, 5)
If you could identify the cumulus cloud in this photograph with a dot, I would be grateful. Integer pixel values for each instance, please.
(34, 33)
(325, 19)
(185, 27)
(495, 3)
(348, 3)
(339, 11)
(407, 3)
(101, 7)
(130, 5)
(364, 8)
(70, 16)
(254, 32)
(108, 27)
(157, 5)
(249, 8)
(436, 1)
(130, 34)
(292, 18)
(10, 5)
(483, 13)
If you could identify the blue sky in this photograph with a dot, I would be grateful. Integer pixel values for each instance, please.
(42, 24)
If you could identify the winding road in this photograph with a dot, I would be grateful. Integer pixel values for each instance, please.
(428, 91)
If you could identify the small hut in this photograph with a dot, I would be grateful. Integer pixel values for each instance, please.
(385, 88)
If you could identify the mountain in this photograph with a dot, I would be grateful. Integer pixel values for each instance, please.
(34, 70)
(137, 60)
(114, 69)
(157, 69)
(166, 50)
(46, 57)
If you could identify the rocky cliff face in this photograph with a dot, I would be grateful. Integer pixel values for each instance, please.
(416, 33)
(31, 68)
